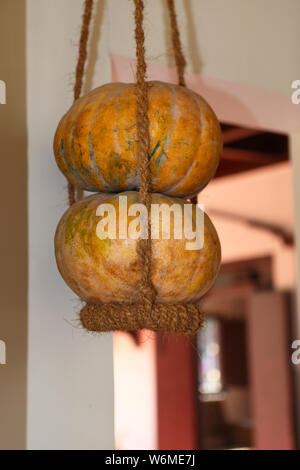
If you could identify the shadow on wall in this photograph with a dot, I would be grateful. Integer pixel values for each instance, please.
(193, 47)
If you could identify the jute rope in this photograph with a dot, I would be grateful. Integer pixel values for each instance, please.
(82, 54)
(144, 312)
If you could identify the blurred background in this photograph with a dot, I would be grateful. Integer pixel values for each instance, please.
(233, 385)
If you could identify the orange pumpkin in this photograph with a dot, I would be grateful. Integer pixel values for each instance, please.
(106, 270)
(95, 144)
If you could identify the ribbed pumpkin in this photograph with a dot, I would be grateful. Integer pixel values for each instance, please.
(96, 141)
(107, 270)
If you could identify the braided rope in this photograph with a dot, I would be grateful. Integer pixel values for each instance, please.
(144, 251)
(177, 318)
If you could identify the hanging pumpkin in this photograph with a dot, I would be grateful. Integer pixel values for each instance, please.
(169, 136)
(107, 270)
(96, 141)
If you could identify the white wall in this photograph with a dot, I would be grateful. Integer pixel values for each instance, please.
(70, 373)
(135, 391)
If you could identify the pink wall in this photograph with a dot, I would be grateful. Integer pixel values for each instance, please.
(232, 102)
(266, 196)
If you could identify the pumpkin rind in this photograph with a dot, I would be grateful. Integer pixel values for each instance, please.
(96, 148)
(107, 270)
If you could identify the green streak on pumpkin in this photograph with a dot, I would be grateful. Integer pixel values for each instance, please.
(129, 144)
(93, 162)
(103, 245)
(115, 160)
(73, 224)
(154, 150)
(83, 226)
(75, 174)
(160, 158)
(120, 170)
